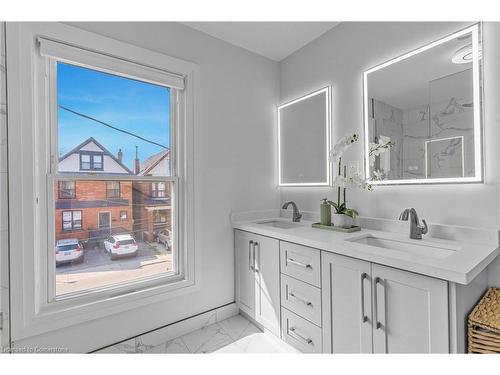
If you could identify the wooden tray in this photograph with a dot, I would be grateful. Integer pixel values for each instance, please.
(354, 228)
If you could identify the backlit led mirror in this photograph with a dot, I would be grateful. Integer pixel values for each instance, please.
(423, 114)
(304, 140)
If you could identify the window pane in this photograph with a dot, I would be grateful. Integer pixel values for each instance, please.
(139, 225)
(115, 124)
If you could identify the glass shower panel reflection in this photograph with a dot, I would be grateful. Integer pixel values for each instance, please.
(449, 151)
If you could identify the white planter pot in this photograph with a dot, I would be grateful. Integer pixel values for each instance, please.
(342, 221)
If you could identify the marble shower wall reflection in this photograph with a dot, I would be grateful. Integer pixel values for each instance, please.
(433, 140)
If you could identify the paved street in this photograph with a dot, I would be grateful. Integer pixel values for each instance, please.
(99, 270)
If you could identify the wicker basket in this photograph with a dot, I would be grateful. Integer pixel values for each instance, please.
(484, 324)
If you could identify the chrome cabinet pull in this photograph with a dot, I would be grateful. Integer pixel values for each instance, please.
(307, 303)
(293, 261)
(250, 246)
(293, 332)
(378, 280)
(364, 318)
(255, 269)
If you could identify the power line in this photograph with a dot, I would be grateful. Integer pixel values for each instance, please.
(111, 126)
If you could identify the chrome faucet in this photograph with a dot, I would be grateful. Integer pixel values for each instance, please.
(296, 213)
(416, 230)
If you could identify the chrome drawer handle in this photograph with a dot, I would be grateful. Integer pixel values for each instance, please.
(292, 332)
(378, 280)
(250, 247)
(307, 303)
(364, 318)
(293, 261)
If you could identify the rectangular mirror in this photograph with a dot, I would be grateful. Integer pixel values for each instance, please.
(423, 114)
(304, 140)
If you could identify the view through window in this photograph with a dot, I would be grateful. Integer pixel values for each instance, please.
(112, 229)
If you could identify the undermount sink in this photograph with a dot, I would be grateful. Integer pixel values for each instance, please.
(423, 248)
(279, 224)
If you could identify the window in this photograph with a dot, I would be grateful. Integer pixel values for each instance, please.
(45, 297)
(123, 215)
(71, 220)
(90, 161)
(135, 142)
(67, 189)
(113, 189)
(158, 190)
(160, 216)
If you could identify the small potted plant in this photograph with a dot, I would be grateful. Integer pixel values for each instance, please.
(344, 216)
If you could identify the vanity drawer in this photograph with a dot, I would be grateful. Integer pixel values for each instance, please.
(300, 262)
(301, 298)
(300, 333)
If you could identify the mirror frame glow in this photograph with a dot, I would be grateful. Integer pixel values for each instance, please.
(326, 90)
(478, 108)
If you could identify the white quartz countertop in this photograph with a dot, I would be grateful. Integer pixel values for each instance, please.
(465, 262)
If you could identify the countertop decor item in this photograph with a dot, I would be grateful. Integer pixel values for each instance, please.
(484, 324)
(351, 229)
(325, 212)
(344, 217)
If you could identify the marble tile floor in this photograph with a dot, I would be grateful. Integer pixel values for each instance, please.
(233, 335)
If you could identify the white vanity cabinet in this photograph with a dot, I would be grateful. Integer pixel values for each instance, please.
(411, 311)
(258, 278)
(322, 302)
(369, 308)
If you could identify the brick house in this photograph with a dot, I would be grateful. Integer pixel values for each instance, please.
(92, 209)
(152, 200)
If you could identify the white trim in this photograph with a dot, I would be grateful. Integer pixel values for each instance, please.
(478, 141)
(327, 91)
(427, 143)
(29, 162)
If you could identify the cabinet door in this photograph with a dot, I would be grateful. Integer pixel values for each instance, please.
(245, 279)
(410, 312)
(267, 270)
(346, 300)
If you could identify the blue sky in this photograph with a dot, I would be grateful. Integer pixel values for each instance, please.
(138, 107)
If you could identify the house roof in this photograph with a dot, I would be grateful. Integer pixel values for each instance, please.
(151, 162)
(104, 150)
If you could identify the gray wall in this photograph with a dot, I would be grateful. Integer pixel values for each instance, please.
(236, 154)
(338, 58)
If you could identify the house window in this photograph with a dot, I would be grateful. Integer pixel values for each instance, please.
(158, 190)
(90, 161)
(123, 215)
(67, 189)
(160, 216)
(113, 189)
(71, 220)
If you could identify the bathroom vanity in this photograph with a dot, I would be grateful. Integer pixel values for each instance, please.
(373, 291)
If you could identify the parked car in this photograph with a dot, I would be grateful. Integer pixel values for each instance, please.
(165, 237)
(68, 251)
(121, 245)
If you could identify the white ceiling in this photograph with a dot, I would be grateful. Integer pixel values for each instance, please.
(274, 40)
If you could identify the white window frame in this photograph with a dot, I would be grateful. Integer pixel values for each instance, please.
(30, 161)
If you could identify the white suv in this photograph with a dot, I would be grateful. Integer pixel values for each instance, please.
(68, 251)
(121, 245)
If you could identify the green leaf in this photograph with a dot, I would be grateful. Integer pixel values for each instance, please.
(351, 212)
